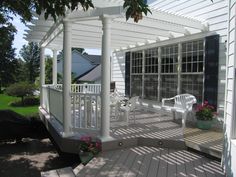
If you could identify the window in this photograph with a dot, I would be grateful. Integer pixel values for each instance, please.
(192, 57)
(151, 60)
(137, 62)
(169, 71)
(151, 74)
(145, 71)
(169, 59)
(169, 85)
(150, 87)
(193, 84)
(192, 68)
(136, 73)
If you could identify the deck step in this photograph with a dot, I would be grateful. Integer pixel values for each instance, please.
(62, 172)
(206, 141)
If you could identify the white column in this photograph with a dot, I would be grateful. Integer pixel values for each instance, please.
(54, 67)
(105, 92)
(67, 78)
(42, 74)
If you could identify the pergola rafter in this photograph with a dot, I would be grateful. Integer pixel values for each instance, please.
(158, 25)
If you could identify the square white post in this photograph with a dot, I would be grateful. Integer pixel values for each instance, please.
(66, 78)
(105, 91)
(54, 67)
(42, 75)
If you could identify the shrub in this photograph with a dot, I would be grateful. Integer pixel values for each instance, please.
(205, 112)
(28, 101)
(21, 89)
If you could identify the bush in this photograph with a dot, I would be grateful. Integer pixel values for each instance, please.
(21, 89)
(28, 101)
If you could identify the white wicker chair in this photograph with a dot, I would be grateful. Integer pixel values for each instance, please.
(130, 107)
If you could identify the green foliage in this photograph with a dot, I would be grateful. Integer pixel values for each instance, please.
(31, 57)
(8, 63)
(28, 101)
(205, 112)
(5, 101)
(48, 70)
(135, 9)
(20, 89)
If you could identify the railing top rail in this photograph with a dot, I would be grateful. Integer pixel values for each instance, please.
(85, 94)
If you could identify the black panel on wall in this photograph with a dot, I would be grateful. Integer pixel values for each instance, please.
(127, 73)
(211, 69)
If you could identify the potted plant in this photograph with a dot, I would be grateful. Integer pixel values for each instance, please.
(205, 114)
(88, 149)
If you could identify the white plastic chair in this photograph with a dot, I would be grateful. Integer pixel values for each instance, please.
(183, 104)
(130, 107)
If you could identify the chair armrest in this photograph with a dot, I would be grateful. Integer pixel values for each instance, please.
(166, 99)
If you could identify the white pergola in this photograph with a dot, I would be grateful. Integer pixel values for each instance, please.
(105, 28)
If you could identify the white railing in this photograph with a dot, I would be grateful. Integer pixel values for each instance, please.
(86, 114)
(82, 88)
(45, 103)
(56, 104)
(52, 101)
(85, 105)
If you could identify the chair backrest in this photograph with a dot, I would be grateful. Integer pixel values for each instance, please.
(132, 102)
(185, 101)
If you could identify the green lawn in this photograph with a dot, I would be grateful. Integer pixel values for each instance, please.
(4, 104)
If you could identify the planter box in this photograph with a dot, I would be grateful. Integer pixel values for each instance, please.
(204, 124)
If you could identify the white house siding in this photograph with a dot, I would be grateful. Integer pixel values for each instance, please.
(214, 13)
(230, 135)
(118, 70)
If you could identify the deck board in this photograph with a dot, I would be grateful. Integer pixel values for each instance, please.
(152, 162)
(162, 170)
(171, 168)
(153, 168)
(134, 170)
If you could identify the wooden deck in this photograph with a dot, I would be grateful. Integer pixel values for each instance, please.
(149, 162)
(207, 141)
(152, 147)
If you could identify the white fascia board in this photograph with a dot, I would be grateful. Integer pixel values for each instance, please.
(48, 23)
(174, 41)
(78, 39)
(32, 33)
(110, 11)
(123, 27)
(118, 37)
(94, 30)
(153, 23)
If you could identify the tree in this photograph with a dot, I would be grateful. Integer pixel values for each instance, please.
(8, 63)
(20, 89)
(31, 56)
(48, 70)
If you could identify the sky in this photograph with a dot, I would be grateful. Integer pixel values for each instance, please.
(19, 41)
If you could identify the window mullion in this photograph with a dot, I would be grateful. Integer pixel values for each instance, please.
(159, 75)
(143, 71)
(179, 68)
